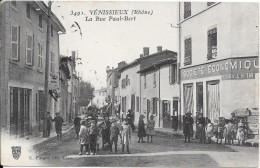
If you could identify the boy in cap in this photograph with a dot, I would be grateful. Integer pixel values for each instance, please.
(114, 132)
(58, 125)
(93, 132)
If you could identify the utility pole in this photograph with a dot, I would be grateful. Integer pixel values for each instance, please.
(46, 81)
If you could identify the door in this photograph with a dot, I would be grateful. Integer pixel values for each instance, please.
(166, 106)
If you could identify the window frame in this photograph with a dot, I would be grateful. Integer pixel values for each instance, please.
(15, 42)
(29, 49)
(187, 51)
(28, 10)
(187, 9)
(52, 61)
(40, 21)
(212, 43)
(154, 79)
(40, 55)
(145, 84)
(173, 74)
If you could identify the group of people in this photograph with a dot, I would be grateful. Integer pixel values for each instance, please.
(229, 130)
(58, 125)
(109, 132)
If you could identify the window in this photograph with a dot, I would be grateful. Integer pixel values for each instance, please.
(14, 3)
(166, 108)
(40, 55)
(15, 42)
(212, 44)
(144, 81)
(155, 106)
(51, 31)
(126, 80)
(187, 52)
(144, 105)
(40, 20)
(123, 83)
(173, 74)
(137, 103)
(29, 49)
(28, 11)
(52, 61)
(210, 3)
(154, 79)
(187, 9)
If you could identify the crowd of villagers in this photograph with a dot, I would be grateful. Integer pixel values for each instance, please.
(228, 130)
(92, 134)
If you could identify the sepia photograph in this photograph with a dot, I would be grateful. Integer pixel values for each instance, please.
(89, 83)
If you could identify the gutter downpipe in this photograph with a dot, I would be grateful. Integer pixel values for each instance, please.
(178, 67)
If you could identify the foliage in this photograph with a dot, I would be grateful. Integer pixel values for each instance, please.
(85, 93)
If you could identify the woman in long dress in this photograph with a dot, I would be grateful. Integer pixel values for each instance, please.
(150, 129)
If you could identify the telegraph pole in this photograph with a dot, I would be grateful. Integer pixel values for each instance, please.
(46, 81)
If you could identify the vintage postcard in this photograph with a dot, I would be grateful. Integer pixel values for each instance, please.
(129, 83)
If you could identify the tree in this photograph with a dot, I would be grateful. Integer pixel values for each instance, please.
(86, 90)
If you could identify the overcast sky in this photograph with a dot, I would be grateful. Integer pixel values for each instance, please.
(105, 43)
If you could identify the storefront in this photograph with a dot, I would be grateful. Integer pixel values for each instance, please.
(217, 88)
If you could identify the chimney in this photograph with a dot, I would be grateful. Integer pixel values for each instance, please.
(73, 53)
(159, 48)
(146, 51)
(141, 55)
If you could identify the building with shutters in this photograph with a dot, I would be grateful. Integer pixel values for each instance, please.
(219, 57)
(22, 61)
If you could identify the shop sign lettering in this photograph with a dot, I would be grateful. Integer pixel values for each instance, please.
(230, 69)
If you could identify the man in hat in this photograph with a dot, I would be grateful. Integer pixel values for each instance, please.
(105, 132)
(187, 126)
(77, 125)
(58, 125)
(48, 124)
(114, 133)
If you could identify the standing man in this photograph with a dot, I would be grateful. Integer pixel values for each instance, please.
(201, 123)
(58, 125)
(77, 125)
(48, 124)
(187, 126)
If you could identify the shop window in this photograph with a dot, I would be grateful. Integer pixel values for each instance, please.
(15, 36)
(212, 44)
(29, 49)
(188, 98)
(28, 11)
(187, 9)
(173, 74)
(187, 52)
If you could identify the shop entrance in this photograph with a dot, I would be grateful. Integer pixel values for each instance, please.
(213, 99)
(20, 111)
(188, 98)
(166, 106)
(199, 102)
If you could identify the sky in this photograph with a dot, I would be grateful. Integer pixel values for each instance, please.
(106, 43)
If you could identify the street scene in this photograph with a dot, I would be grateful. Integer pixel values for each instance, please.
(129, 84)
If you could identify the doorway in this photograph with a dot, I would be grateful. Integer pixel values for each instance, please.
(213, 101)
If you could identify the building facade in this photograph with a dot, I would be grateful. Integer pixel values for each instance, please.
(159, 87)
(99, 99)
(23, 50)
(219, 57)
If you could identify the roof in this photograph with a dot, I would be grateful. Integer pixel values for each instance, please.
(54, 18)
(158, 64)
(150, 59)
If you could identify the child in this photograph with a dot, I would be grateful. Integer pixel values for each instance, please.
(150, 128)
(83, 137)
(209, 130)
(241, 132)
(105, 132)
(141, 129)
(126, 136)
(227, 133)
(93, 132)
(114, 132)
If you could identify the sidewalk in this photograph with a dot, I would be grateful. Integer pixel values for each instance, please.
(179, 134)
(37, 140)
